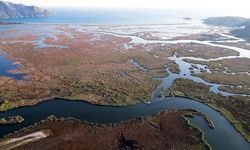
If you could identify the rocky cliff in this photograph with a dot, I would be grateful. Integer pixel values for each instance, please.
(10, 10)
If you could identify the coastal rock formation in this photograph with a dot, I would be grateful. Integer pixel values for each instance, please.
(10, 10)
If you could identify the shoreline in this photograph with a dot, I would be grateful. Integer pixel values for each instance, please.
(55, 118)
(218, 110)
(105, 104)
(194, 99)
(200, 130)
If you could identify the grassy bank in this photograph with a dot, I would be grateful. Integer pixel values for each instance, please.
(235, 109)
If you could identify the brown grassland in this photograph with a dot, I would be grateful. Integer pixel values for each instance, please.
(168, 130)
(98, 68)
(92, 67)
(232, 72)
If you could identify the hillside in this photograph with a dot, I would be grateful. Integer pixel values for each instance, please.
(242, 25)
(10, 10)
(225, 21)
(244, 32)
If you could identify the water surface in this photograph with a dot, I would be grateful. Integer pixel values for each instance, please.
(223, 131)
(84, 111)
(7, 65)
(114, 16)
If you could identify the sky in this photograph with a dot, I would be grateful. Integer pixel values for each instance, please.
(232, 7)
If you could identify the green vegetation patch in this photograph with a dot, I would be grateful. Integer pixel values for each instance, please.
(235, 108)
(5, 106)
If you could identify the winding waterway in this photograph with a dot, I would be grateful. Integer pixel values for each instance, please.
(183, 65)
(84, 111)
(138, 40)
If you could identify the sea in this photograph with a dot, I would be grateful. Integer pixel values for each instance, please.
(103, 16)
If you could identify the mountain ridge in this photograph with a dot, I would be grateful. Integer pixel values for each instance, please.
(241, 26)
(9, 10)
(230, 21)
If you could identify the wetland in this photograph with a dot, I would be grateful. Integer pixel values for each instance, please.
(124, 75)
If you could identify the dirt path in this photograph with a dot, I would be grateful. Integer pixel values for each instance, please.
(15, 142)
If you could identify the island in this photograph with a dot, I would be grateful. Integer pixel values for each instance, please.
(187, 18)
(11, 120)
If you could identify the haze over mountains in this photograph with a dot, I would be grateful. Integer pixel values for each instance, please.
(226, 21)
(10, 10)
(242, 25)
